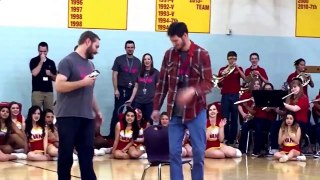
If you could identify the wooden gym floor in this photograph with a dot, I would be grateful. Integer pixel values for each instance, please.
(224, 169)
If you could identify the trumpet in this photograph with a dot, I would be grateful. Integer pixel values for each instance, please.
(227, 71)
(315, 100)
(305, 78)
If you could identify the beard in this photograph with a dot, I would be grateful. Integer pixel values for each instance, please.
(89, 53)
(183, 44)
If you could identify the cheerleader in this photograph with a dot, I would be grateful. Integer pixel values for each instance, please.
(127, 130)
(289, 138)
(215, 136)
(16, 116)
(138, 150)
(164, 119)
(37, 136)
(10, 137)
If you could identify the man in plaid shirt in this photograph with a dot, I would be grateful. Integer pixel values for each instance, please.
(186, 77)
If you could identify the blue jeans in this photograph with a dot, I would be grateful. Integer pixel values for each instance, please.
(197, 129)
(146, 110)
(229, 108)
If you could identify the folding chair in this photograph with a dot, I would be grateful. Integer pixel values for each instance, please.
(156, 141)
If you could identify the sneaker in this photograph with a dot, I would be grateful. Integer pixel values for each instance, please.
(273, 151)
(238, 153)
(143, 156)
(255, 154)
(317, 155)
(301, 158)
(22, 156)
(18, 150)
(99, 152)
(106, 150)
(55, 158)
(75, 157)
(283, 159)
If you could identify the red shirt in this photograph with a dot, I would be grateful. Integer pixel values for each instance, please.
(262, 114)
(231, 83)
(246, 95)
(200, 76)
(302, 114)
(294, 75)
(259, 69)
(272, 115)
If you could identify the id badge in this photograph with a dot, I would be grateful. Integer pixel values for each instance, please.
(144, 91)
(45, 79)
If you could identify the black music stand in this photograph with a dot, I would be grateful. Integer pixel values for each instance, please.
(267, 98)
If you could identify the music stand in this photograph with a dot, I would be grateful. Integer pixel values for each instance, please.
(267, 98)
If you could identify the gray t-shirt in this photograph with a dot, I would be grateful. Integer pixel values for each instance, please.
(147, 87)
(76, 103)
(128, 70)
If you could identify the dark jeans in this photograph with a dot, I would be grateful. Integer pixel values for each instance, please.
(230, 109)
(146, 110)
(125, 94)
(79, 133)
(259, 126)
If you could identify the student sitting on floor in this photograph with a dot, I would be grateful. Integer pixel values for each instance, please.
(215, 136)
(289, 139)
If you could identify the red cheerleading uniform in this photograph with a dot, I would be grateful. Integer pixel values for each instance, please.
(214, 133)
(125, 137)
(140, 139)
(36, 141)
(288, 145)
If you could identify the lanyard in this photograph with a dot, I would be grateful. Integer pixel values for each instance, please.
(129, 64)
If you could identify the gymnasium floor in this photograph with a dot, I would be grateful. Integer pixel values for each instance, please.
(225, 169)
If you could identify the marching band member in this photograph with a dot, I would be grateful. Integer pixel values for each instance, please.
(300, 68)
(230, 87)
(255, 71)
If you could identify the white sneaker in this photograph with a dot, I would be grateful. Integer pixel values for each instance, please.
(18, 150)
(238, 153)
(20, 155)
(75, 157)
(143, 156)
(301, 158)
(273, 151)
(99, 152)
(284, 158)
(106, 150)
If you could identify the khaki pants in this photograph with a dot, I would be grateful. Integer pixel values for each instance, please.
(42, 99)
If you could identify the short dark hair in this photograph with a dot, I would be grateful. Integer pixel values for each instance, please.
(88, 34)
(177, 28)
(297, 62)
(232, 53)
(129, 42)
(43, 44)
(254, 54)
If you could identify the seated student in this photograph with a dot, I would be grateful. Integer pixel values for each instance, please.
(127, 130)
(16, 116)
(186, 145)
(138, 149)
(289, 139)
(164, 119)
(37, 136)
(215, 136)
(10, 137)
(316, 117)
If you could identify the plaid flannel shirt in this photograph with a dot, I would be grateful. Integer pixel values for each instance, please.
(200, 75)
